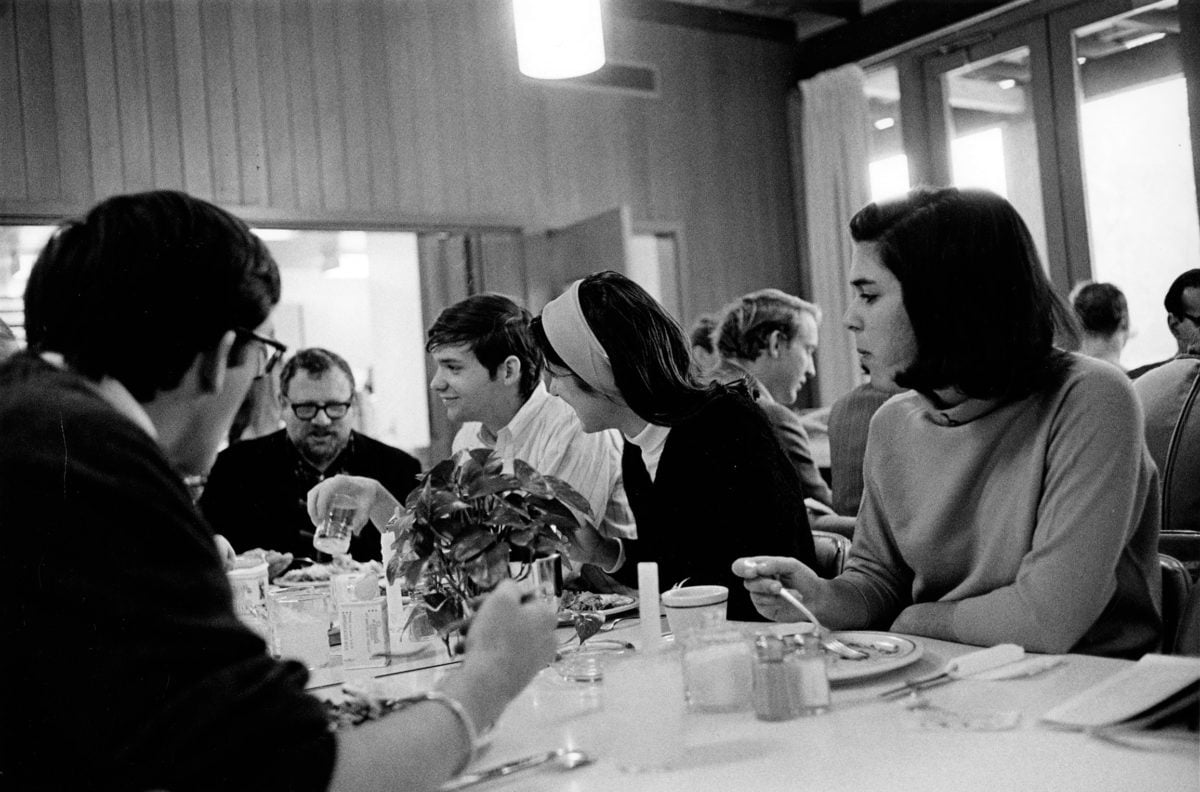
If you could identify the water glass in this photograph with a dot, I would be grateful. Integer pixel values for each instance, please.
(248, 580)
(542, 577)
(300, 620)
(333, 534)
(644, 711)
(718, 671)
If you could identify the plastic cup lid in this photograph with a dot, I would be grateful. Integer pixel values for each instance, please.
(694, 596)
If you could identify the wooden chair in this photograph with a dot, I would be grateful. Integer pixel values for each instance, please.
(832, 552)
(1176, 586)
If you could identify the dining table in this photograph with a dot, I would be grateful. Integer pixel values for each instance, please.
(966, 735)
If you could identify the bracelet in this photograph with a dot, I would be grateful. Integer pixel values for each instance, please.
(357, 707)
(464, 720)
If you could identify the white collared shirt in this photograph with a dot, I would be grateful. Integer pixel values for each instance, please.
(547, 434)
(651, 441)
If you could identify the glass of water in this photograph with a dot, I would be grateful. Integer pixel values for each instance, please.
(333, 534)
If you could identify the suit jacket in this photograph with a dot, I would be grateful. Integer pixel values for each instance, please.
(256, 495)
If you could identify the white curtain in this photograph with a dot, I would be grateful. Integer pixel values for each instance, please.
(828, 121)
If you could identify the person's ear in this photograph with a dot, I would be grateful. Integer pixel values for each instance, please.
(511, 370)
(1173, 325)
(775, 342)
(214, 363)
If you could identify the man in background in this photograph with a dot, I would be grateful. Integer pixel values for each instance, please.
(1183, 317)
(256, 494)
(1103, 316)
(769, 338)
(704, 352)
(8, 341)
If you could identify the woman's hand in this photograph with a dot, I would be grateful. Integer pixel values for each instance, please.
(764, 577)
(372, 501)
(594, 548)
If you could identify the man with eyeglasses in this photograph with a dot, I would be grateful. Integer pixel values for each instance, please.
(317, 393)
(1183, 318)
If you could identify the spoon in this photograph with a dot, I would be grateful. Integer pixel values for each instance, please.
(566, 758)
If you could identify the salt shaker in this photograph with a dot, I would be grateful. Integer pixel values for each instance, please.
(774, 699)
(809, 679)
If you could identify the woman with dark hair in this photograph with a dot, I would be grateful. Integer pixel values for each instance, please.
(706, 478)
(1008, 496)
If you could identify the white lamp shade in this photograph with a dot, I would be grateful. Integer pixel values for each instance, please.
(557, 39)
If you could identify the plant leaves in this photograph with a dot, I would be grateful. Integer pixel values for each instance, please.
(586, 625)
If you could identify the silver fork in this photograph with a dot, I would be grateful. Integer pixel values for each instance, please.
(827, 639)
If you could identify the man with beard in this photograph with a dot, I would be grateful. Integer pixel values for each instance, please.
(256, 493)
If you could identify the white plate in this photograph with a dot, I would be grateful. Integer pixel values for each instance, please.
(565, 616)
(903, 651)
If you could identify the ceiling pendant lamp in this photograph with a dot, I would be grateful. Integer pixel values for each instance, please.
(557, 39)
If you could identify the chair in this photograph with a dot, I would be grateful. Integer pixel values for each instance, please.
(1170, 396)
(1185, 546)
(831, 552)
(1176, 585)
(836, 524)
(1187, 639)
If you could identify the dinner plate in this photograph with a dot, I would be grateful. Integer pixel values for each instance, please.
(888, 651)
(565, 617)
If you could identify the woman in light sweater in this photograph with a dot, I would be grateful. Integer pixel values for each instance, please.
(1009, 496)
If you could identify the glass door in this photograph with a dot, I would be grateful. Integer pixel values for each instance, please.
(1124, 118)
(986, 98)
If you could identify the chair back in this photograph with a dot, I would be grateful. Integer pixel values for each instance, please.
(1170, 396)
(1176, 586)
(1185, 546)
(832, 550)
(1187, 639)
(835, 523)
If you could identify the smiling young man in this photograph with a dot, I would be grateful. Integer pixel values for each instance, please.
(488, 377)
(769, 338)
(317, 442)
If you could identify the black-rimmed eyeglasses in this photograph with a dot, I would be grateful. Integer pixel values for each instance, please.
(273, 350)
(306, 411)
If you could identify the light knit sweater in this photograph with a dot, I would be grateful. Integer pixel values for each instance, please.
(1033, 522)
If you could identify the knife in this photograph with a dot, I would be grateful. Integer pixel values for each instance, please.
(962, 666)
(508, 768)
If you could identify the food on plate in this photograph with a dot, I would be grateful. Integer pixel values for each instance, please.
(587, 601)
(322, 573)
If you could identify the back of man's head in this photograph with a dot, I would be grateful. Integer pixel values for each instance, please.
(142, 284)
(748, 322)
(702, 331)
(494, 327)
(1100, 308)
(1173, 302)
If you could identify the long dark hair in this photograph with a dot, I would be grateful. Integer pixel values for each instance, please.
(647, 348)
(983, 311)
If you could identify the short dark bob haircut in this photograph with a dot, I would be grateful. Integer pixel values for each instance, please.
(145, 282)
(494, 327)
(648, 350)
(316, 361)
(983, 311)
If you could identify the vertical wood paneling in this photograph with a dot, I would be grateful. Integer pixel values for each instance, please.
(193, 108)
(277, 116)
(162, 86)
(297, 60)
(330, 129)
(217, 33)
(37, 101)
(132, 97)
(353, 109)
(248, 102)
(407, 43)
(103, 122)
(12, 136)
(379, 96)
(70, 103)
(449, 105)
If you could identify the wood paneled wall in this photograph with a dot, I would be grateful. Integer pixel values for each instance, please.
(401, 113)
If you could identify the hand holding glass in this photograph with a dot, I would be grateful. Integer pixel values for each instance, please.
(333, 534)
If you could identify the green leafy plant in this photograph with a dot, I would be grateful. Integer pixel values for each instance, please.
(467, 518)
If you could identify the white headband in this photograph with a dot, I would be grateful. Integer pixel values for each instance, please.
(574, 341)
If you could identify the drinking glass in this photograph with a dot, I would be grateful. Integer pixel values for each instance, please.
(643, 711)
(300, 620)
(541, 577)
(333, 534)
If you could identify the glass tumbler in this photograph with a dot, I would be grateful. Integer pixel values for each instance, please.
(300, 619)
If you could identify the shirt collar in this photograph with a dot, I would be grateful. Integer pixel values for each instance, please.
(650, 441)
(523, 419)
(959, 414)
(116, 394)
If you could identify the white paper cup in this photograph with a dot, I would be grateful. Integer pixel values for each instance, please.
(694, 608)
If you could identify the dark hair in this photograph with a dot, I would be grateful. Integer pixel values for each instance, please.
(494, 327)
(646, 347)
(1173, 302)
(316, 362)
(702, 332)
(143, 283)
(1100, 308)
(983, 312)
(748, 322)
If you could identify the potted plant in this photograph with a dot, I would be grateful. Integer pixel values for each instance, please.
(467, 518)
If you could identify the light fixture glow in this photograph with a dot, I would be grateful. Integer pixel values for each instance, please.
(1006, 84)
(885, 123)
(1149, 38)
(557, 39)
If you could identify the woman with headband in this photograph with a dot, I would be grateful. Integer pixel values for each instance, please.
(706, 478)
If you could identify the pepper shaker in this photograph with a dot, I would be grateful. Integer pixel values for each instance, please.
(774, 699)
